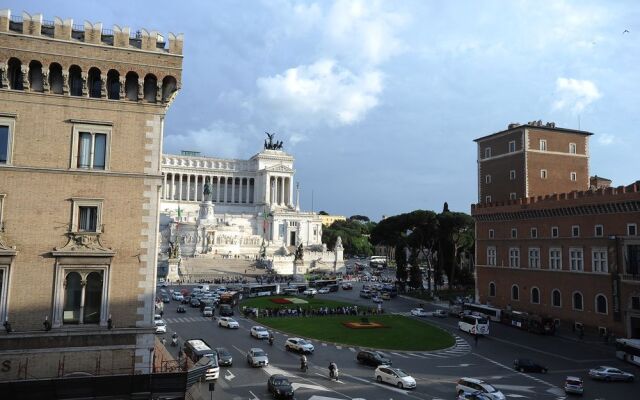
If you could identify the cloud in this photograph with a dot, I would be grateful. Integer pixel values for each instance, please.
(575, 94)
(219, 139)
(606, 139)
(321, 92)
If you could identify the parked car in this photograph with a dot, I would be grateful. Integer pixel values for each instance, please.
(573, 385)
(300, 345)
(394, 376)
(527, 365)
(471, 385)
(610, 374)
(181, 310)
(257, 358)
(418, 312)
(347, 286)
(207, 312)
(161, 326)
(224, 357)
(259, 332)
(373, 358)
(310, 292)
(228, 322)
(280, 387)
(323, 290)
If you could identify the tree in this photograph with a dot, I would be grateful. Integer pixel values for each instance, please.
(401, 264)
(323, 213)
(353, 234)
(454, 233)
(362, 218)
(415, 274)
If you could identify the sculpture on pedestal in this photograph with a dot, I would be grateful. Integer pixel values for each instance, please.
(299, 253)
(271, 145)
(207, 191)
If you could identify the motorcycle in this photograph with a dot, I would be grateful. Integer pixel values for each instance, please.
(333, 374)
(270, 340)
(174, 342)
(304, 366)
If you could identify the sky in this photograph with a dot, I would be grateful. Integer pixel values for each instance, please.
(379, 101)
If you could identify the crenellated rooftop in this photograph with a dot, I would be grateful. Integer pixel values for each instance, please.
(93, 33)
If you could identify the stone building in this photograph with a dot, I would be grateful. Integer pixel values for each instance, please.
(570, 249)
(81, 125)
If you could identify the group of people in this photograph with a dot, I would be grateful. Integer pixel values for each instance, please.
(311, 312)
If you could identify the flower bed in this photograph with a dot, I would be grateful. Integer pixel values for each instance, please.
(281, 300)
(363, 325)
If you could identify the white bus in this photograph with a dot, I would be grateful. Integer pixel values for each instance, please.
(377, 261)
(628, 350)
(494, 314)
(195, 349)
(474, 324)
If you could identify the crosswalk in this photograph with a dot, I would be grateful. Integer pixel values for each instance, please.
(180, 320)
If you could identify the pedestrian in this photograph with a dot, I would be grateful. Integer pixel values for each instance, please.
(475, 339)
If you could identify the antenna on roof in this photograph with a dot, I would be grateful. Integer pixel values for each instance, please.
(578, 121)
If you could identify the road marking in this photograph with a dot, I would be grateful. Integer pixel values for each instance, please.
(352, 349)
(297, 385)
(453, 366)
(254, 396)
(339, 347)
(271, 370)
(521, 373)
(326, 377)
(228, 375)
(547, 353)
(244, 353)
(399, 355)
(393, 389)
(324, 344)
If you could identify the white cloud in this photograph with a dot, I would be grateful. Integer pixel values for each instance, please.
(321, 92)
(218, 139)
(606, 139)
(575, 94)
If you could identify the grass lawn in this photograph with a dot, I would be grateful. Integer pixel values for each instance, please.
(304, 302)
(400, 333)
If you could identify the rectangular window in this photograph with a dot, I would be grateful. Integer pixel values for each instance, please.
(574, 176)
(512, 196)
(599, 260)
(555, 232)
(632, 230)
(91, 147)
(555, 258)
(514, 257)
(491, 256)
(492, 234)
(635, 303)
(534, 257)
(2, 196)
(514, 233)
(543, 173)
(487, 199)
(534, 233)
(598, 231)
(575, 231)
(576, 259)
(512, 146)
(4, 289)
(512, 175)
(572, 148)
(543, 145)
(487, 152)
(487, 179)
(87, 215)
(7, 126)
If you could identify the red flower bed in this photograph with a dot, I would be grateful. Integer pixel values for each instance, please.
(280, 300)
(363, 325)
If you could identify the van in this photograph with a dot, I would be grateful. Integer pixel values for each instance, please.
(204, 288)
(474, 324)
(195, 349)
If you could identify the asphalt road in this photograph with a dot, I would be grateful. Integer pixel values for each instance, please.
(490, 359)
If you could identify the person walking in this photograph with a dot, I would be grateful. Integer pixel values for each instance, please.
(475, 339)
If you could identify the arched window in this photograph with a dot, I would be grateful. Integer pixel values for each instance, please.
(150, 88)
(75, 81)
(535, 295)
(577, 301)
(601, 304)
(515, 292)
(36, 83)
(56, 81)
(14, 74)
(94, 83)
(72, 298)
(169, 85)
(131, 86)
(492, 289)
(113, 85)
(556, 298)
(93, 298)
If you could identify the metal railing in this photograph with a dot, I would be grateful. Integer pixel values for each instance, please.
(78, 27)
(16, 18)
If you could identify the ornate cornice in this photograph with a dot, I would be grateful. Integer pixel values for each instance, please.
(83, 244)
(578, 210)
(5, 248)
(279, 168)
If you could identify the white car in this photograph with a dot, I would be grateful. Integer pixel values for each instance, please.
(298, 344)
(161, 326)
(259, 332)
(207, 312)
(472, 385)
(394, 376)
(323, 290)
(439, 314)
(178, 296)
(310, 292)
(610, 374)
(418, 312)
(228, 322)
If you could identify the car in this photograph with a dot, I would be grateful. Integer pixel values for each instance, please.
(207, 312)
(377, 299)
(385, 296)
(439, 314)
(298, 344)
(157, 317)
(472, 385)
(478, 395)
(186, 300)
(225, 310)
(573, 385)
(259, 332)
(610, 374)
(280, 387)
(224, 357)
(256, 357)
(181, 310)
(165, 298)
(195, 302)
(347, 286)
(527, 365)
(418, 312)
(178, 297)
(373, 358)
(394, 376)
(310, 292)
(323, 290)
(365, 294)
(228, 322)
(161, 326)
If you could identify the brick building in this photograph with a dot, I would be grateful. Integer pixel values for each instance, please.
(81, 125)
(569, 249)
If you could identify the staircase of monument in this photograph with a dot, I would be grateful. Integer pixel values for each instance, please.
(212, 268)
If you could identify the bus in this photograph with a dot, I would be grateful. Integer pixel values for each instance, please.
(378, 261)
(474, 324)
(320, 283)
(262, 290)
(195, 349)
(232, 298)
(628, 350)
(529, 322)
(494, 314)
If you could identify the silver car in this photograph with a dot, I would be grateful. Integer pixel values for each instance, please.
(257, 358)
(610, 374)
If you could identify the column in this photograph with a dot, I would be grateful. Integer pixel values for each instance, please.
(173, 186)
(226, 187)
(290, 190)
(188, 186)
(233, 190)
(164, 187)
(282, 191)
(217, 189)
(246, 196)
(195, 192)
(180, 187)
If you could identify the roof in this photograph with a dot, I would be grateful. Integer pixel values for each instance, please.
(542, 127)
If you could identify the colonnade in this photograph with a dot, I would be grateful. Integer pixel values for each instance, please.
(280, 191)
(224, 189)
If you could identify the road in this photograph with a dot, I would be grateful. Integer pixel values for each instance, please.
(435, 372)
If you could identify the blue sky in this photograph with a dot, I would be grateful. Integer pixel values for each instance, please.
(380, 101)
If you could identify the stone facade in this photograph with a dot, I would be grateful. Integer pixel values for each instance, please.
(81, 120)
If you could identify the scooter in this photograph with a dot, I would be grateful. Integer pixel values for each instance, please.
(270, 340)
(304, 366)
(334, 374)
(174, 341)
